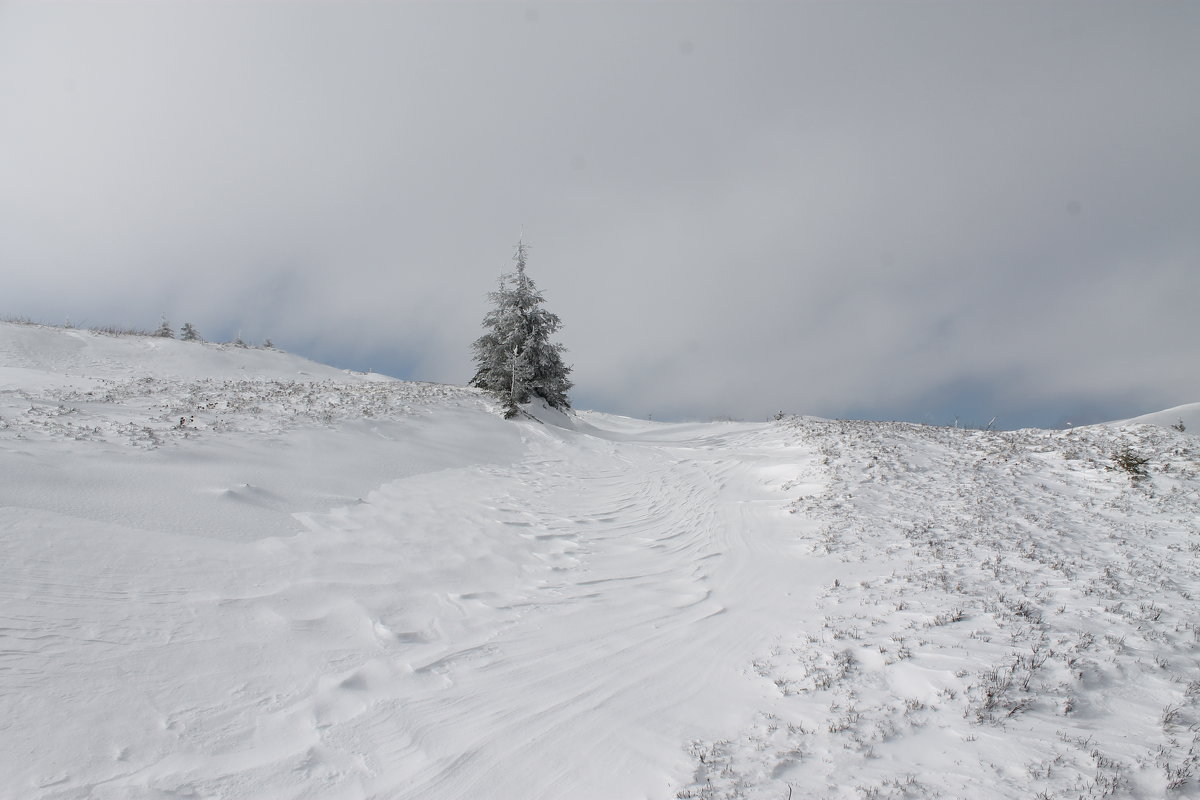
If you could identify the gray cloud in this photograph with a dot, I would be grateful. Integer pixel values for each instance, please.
(886, 209)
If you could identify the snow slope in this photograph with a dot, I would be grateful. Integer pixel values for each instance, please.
(1188, 415)
(334, 585)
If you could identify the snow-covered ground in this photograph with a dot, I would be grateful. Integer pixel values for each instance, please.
(232, 573)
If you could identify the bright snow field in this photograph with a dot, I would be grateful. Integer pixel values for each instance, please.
(234, 573)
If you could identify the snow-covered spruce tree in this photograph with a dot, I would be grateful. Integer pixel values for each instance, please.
(165, 330)
(515, 358)
(189, 334)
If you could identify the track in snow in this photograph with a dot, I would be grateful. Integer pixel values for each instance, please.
(560, 627)
(624, 647)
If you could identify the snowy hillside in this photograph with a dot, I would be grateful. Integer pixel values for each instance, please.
(231, 573)
(1187, 415)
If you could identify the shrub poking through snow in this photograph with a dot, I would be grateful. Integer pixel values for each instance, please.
(1126, 459)
(991, 591)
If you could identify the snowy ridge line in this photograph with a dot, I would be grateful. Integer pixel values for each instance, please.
(1020, 622)
(150, 411)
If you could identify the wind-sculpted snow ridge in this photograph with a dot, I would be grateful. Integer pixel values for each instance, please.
(1020, 621)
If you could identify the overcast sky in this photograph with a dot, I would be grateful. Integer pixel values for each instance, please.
(897, 210)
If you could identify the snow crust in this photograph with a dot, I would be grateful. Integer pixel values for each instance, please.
(334, 585)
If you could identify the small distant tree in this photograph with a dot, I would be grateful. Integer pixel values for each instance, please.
(515, 358)
(165, 330)
(1131, 462)
(189, 334)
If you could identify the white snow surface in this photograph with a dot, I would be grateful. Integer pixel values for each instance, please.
(1187, 415)
(333, 585)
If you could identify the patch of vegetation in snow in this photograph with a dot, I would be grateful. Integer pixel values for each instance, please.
(148, 412)
(1023, 622)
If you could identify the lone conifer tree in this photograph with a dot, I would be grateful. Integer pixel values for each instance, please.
(189, 333)
(515, 358)
(164, 330)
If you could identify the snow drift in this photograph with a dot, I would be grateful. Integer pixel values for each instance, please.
(232, 573)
